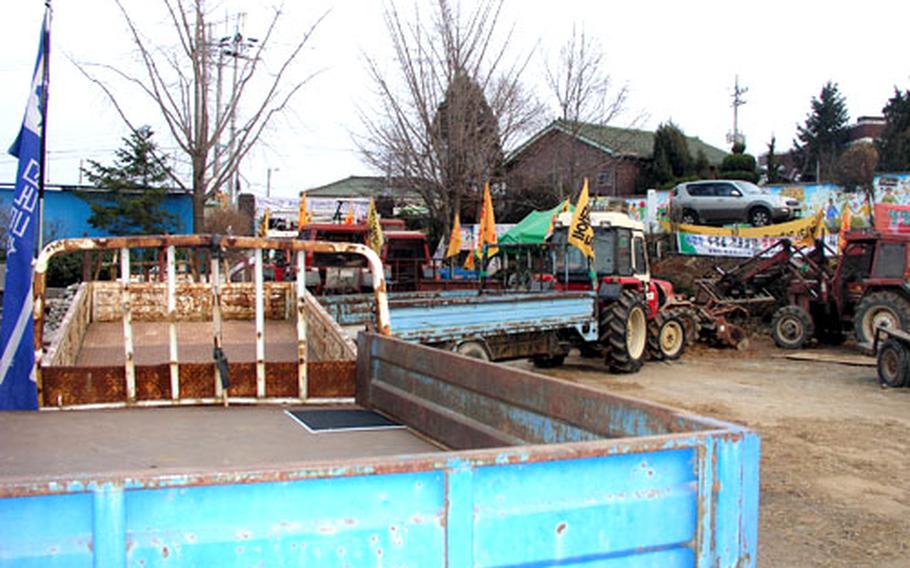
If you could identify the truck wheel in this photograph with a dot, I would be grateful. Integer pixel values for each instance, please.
(759, 217)
(791, 327)
(624, 332)
(666, 338)
(547, 362)
(474, 349)
(893, 364)
(880, 309)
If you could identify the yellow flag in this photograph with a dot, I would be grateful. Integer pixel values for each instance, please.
(303, 216)
(454, 238)
(487, 224)
(581, 233)
(264, 226)
(375, 239)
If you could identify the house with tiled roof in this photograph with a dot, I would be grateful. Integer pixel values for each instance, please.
(557, 158)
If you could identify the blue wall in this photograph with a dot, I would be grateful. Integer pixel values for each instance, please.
(66, 214)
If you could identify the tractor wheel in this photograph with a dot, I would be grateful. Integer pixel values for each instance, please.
(880, 309)
(624, 333)
(791, 327)
(893, 364)
(473, 349)
(688, 317)
(547, 361)
(666, 337)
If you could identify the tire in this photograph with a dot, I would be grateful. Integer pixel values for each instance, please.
(548, 362)
(893, 364)
(688, 217)
(473, 349)
(791, 327)
(887, 309)
(759, 217)
(666, 338)
(689, 319)
(624, 332)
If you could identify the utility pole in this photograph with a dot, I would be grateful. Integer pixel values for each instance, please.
(268, 181)
(235, 47)
(738, 101)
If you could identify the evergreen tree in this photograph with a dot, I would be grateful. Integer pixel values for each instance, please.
(772, 164)
(739, 165)
(134, 189)
(671, 158)
(821, 139)
(894, 144)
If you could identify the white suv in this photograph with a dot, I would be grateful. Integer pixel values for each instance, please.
(720, 201)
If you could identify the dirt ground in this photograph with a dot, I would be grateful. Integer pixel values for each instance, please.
(835, 467)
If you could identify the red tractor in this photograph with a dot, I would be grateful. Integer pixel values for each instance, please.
(632, 317)
(868, 288)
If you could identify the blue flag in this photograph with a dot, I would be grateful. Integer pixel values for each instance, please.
(18, 390)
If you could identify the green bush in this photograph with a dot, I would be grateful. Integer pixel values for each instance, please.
(738, 163)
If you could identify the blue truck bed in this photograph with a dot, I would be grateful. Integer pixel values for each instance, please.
(452, 316)
(537, 472)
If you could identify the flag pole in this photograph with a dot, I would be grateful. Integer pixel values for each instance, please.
(42, 158)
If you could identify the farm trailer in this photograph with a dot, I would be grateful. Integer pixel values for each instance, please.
(501, 467)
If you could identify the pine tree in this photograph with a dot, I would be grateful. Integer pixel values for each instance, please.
(773, 165)
(894, 144)
(671, 158)
(823, 136)
(134, 189)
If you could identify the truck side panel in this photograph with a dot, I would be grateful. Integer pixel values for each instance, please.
(676, 490)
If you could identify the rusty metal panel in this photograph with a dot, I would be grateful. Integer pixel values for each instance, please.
(331, 379)
(83, 385)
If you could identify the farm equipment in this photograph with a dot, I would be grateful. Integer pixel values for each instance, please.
(630, 304)
(405, 254)
(619, 314)
(893, 357)
(868, 288)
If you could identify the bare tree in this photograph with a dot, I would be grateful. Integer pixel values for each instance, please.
(585, 96)
(179, 82)
(579, 82)
(453, 102)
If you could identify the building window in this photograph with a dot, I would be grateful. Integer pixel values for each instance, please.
(605, 177)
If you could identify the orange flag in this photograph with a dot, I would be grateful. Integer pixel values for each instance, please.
(454, 238)
(844, 227)
(487, 224)
(349, 218)
(303, 216)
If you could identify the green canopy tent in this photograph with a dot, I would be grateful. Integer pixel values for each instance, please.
(532, 230)
(521, 248)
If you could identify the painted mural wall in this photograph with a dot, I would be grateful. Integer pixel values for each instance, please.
(889, 188)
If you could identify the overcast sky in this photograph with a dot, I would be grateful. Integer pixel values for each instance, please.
(678, 59)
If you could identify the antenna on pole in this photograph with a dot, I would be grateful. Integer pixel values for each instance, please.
(735, 137)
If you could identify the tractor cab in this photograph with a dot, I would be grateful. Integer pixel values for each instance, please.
(620, 257)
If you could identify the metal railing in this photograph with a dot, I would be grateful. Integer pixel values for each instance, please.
(216, 245)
